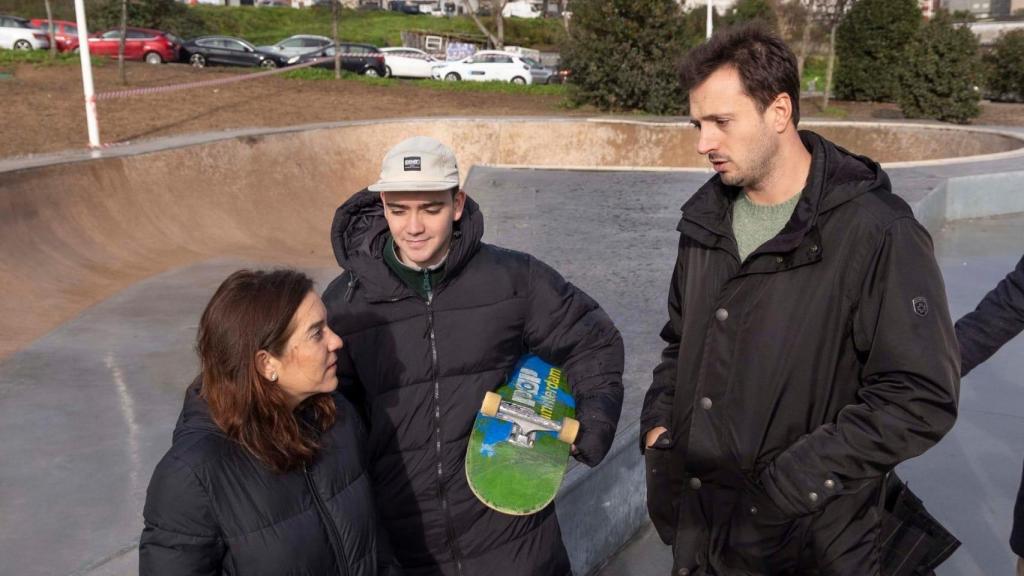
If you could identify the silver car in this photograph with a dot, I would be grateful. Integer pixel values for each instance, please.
(17, 34)
(300, 44)
(541, 74)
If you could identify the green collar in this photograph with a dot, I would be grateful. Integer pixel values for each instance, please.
(422, 281)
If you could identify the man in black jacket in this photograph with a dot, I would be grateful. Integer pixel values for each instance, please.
(809, 345)
(432, 318)
(998, 318)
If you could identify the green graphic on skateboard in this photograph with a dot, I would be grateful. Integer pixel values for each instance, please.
(521, 439)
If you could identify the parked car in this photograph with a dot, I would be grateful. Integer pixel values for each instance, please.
(520, 10)
(408, 62)
(152, 46)
(403, 7)
(300, 44)
(484, 66)
(65, 33)
(359, 58)
(541, 73)
(17, 34)
(227, 51)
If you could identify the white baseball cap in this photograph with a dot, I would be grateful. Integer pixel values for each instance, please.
(418, 164)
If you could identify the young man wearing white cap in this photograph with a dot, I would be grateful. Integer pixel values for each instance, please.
(432, 318)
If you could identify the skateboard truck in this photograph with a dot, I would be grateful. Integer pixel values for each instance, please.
(525, 422)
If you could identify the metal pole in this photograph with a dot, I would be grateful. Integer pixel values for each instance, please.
(711, 9)
(90, 94)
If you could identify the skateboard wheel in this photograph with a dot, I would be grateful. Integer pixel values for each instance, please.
(570, 428)
(491, 403)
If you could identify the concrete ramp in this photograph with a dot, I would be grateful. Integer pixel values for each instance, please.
(106, 262)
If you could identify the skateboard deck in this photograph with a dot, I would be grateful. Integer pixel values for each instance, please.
(519, 447)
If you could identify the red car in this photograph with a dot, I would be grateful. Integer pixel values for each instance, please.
(64, 32)
(153, 46)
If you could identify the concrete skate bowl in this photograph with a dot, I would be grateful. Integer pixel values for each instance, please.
(75, 230)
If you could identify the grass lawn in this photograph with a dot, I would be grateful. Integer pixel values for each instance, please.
(11, 58)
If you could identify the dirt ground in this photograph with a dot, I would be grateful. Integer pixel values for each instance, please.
(43, 110)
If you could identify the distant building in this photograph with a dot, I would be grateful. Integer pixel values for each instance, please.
(928, 7)
(989, 32)
(985, 9)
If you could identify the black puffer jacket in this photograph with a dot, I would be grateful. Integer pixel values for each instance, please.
(794, 381)
(211, 508)
(420, 370)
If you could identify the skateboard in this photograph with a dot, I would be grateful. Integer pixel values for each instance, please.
(521, 438)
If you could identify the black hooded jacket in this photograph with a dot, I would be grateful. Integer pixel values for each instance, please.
(212, 508)
(793, 381)
(419, 369)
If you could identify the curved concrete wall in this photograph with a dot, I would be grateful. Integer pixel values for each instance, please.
(75, 229)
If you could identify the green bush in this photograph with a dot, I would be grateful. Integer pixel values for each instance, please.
(870, 46)
(623, 55)
(167, 15)
(939, 77)
(1004, 67)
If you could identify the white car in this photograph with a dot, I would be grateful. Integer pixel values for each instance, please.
(17, 34)
(408, 62)
(486, 66)
(300, 44)
(520, 10)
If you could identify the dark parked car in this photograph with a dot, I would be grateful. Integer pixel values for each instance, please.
(358, 58)
(227, 51)
(404, 7)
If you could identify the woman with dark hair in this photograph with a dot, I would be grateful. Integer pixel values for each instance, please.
(265, 474)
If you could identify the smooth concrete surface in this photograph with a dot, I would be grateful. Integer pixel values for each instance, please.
(107, 263)
(87, 410)
(79, 226)
(969, 480)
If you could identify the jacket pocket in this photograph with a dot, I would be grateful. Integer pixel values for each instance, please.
(662, 492)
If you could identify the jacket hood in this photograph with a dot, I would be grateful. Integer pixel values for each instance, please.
(195, 415)
(359, 234)
(836, 177)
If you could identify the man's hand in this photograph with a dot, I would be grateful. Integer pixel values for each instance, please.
(653, 434)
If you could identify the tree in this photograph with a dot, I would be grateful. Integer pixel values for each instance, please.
(497, 38)
(335, 17)
(831, 13)
(1004, 67)
(964, 16)
(166, 15)
(623, 54)
(122, 40)
(870, 47)
(49, 26)
(751, 10)
(939, 77)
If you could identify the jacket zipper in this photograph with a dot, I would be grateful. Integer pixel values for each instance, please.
(332, 531)
(453, 543)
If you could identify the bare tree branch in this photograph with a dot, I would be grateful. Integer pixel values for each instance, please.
(49, 25)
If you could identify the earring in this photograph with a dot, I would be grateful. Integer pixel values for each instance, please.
(273, 377)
